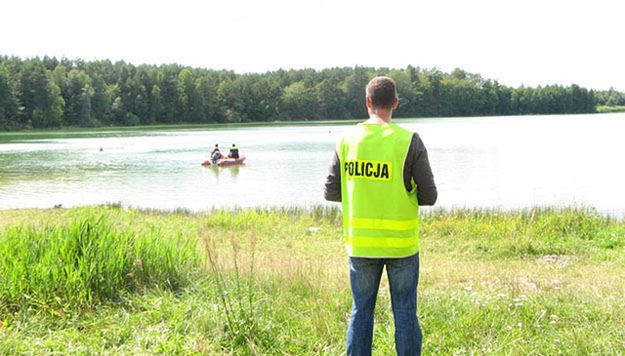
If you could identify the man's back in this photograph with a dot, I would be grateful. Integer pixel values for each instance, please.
(380, 172)
(380, 217)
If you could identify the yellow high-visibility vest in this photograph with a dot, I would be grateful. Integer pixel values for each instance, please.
(380, 218)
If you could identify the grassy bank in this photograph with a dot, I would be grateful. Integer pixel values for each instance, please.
(608, 109)
(103, 279)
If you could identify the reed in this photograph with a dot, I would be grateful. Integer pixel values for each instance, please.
(86, 262)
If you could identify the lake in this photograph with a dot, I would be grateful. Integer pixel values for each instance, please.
(486, 162)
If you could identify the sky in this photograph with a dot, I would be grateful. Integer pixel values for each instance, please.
(529, 42)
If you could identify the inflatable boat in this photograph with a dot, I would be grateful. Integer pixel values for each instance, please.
(223, 162)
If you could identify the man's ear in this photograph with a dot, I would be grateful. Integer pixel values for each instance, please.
(395, 103)
(368, 102)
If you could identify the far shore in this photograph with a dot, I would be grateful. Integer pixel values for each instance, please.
(230, 125)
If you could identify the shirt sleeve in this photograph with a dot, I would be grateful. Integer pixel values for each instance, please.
(332, 189)
(417, 169)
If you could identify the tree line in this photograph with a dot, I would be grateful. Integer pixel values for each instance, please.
(51, 93)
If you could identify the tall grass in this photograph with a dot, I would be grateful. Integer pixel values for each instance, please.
(275, 281)
(531, 232)
(87, 262)
(245, 320)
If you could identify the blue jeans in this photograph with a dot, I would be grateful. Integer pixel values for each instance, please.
(403, 277)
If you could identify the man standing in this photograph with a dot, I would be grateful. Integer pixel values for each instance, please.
(381, 174)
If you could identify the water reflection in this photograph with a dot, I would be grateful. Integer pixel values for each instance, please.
(233, 171)
(215, 170)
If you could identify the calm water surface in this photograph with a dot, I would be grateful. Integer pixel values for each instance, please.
(494, 162)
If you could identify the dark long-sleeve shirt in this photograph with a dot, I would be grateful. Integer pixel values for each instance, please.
(416, 168)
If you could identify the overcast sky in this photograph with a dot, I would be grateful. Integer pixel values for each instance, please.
(527, 42)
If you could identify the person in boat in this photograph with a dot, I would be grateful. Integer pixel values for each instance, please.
(234, 152)
(216, 154)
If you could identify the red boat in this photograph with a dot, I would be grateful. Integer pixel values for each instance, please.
(223, 162)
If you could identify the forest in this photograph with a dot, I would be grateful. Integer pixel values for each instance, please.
(45, 93)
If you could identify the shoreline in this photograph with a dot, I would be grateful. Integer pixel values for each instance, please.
(230, 125)
(333, 208)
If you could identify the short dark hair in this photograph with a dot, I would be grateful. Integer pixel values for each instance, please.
(382, 92)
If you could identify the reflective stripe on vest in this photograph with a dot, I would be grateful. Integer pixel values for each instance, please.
(380, 218)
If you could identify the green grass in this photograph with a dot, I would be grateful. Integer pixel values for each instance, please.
(108, 280)
(87, 262)
(608, 109)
